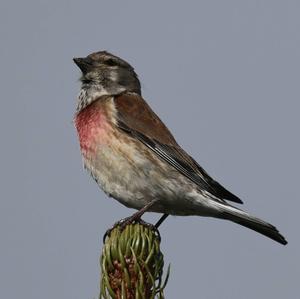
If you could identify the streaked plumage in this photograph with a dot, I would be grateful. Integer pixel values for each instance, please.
(133, 156)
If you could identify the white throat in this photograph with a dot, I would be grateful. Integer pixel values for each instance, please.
(87, 96)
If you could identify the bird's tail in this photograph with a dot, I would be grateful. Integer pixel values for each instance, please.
(256, 224)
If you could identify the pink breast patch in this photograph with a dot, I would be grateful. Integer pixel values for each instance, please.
(92, 127)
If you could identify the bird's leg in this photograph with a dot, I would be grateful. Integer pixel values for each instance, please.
(136, 217)
(161, 220)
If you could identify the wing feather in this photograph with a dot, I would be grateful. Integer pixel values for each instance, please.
(137, 119)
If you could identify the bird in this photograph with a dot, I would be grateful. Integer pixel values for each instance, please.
(135, 159)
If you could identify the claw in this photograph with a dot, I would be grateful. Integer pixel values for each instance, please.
(135, 218)
(121, 224)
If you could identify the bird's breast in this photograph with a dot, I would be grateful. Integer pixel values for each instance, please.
(93, 126)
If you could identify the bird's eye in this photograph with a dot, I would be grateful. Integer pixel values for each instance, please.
(86, 81)
(110, 62)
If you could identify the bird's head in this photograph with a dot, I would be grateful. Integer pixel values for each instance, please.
(108, 74)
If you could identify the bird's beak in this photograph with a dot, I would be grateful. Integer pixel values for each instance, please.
(83, 63)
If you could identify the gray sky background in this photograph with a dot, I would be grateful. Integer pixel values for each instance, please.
(223, 75)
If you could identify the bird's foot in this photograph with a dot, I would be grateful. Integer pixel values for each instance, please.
(135, 218)
(121, 224)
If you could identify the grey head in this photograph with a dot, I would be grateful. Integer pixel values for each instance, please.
(107, 74)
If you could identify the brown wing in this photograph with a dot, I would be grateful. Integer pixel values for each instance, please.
(137, 119)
